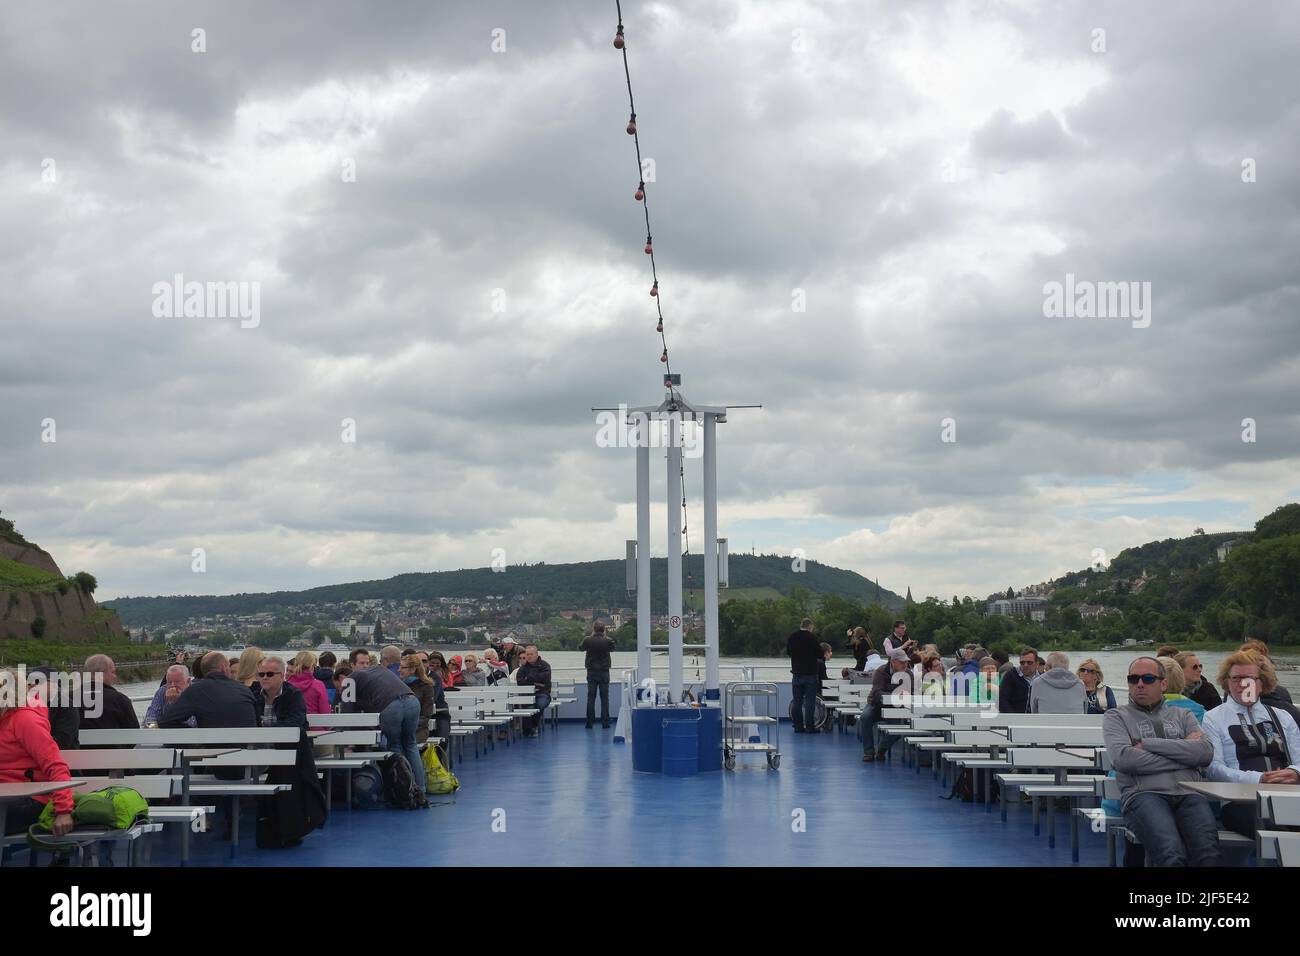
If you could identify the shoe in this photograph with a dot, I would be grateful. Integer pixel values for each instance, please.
(868, 758)
(880, 755)
(605, 725)
(589, 725)
(800, 730)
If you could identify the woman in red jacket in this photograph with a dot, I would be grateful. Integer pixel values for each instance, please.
(28, 753)
(302, 675)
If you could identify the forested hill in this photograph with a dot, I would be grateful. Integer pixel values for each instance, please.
(600, 584)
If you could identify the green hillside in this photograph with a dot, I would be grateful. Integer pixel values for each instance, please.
(588, 584)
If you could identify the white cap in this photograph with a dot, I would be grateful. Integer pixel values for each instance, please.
(507, 640)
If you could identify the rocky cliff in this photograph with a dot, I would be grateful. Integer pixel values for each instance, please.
(33, 588)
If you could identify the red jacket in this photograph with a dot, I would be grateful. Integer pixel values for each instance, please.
(26, 745)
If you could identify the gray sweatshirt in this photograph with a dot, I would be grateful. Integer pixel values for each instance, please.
(1058, 692)
(1166, 756)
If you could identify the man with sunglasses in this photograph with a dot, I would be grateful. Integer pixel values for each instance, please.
(280, 704)
(1013, 694)
(1154, 747)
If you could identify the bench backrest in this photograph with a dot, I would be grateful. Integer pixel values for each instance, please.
(1056, 736)
(343, 720)
(160, 759)
(191, 736)
(1282, 809)
(1049, 757)
(149, 786)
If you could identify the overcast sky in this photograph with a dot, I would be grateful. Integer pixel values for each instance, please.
(920, 170)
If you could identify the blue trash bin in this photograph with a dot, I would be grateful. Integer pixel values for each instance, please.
(681, 748)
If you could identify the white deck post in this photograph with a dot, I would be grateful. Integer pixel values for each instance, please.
(643, 629)
(674, 557)
(710, 558)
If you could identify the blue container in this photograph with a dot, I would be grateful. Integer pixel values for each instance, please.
(681, 748)
(648, 736)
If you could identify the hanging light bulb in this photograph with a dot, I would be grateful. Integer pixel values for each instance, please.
(660, 326)
(618, 38)
(640, 192)
(631, 125)
(654, 289)
(649, 246)
(664, 357)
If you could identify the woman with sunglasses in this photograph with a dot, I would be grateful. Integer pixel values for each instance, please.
(1201, 691)
(1100, 697)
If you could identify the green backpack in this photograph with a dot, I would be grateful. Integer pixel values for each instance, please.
(116, 808)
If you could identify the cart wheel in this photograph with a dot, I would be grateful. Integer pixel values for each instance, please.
(730, 761)
(774, 761)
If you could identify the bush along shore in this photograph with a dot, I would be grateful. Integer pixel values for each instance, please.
(135, 662)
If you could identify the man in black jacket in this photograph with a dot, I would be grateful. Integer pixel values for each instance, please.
(215, 701)
(278, 703)
(109, 708)
(1013, 696)
(537, 672)
(65, 715)
(805, 653)
(598, 662)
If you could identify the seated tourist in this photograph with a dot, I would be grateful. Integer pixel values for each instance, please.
(1279, 697)
(1013, 692)
(175, 682)
(886, 681)
(1059, 691)
(218, 700)
(109, 708)
(1195, 687)
(1254, 742)
(279, 703)
(1100, 697)
(413, 674)
(1174, 696)
(1153, 747)
(474, 675)
(536, 672)
(64, 714)
(28, 754)
(302, 675)
(496, 668)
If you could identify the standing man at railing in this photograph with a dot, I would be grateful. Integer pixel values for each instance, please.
(598, 648)
(537, 672)
(805, 653)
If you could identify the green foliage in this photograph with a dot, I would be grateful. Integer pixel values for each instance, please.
(15, 576)
(86, 582)
(591, 584)
(1284, 521)
(9, 533)
(38, 628)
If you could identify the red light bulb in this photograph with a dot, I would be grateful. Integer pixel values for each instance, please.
(649, 247)
(631, 125)
(654, 289)
(618, 38)
(660, 326)
(640, 192)
(664, 357)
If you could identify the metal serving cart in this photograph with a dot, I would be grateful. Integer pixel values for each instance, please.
(736, 725)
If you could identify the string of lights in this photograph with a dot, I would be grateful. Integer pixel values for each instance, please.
(641, 196)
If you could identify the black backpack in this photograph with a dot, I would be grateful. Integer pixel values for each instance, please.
(400, 787)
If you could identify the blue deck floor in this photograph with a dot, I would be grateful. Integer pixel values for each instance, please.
(572, 799)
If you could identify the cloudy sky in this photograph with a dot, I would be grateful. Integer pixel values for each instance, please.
(914, 174)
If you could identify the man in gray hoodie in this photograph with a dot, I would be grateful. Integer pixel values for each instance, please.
(1059, 691)
(1153, 748)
